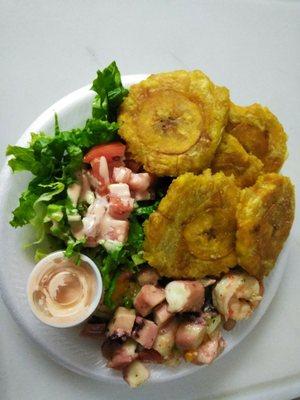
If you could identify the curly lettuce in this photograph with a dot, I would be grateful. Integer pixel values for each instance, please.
(54, 161)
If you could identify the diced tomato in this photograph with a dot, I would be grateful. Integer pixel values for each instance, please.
(120, 208)
(111, 151)
(95, 163)
(102, 188)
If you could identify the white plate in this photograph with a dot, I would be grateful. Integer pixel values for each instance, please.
(65, 345)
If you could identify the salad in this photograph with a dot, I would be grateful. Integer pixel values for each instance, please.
(67, 180)
(174, 193)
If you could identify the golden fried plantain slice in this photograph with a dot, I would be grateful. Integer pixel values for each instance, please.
(232, 159)
(172, 122)
(264, 216)
(192, 233)
(260, 133)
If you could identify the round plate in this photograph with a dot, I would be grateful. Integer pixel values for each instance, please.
(65, 346)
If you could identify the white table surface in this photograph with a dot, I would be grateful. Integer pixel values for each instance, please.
(49, 48)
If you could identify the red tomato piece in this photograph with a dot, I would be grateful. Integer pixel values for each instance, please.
(120, 208)
(111, 151)
(95, 164)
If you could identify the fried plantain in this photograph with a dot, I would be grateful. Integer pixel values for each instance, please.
(264, 216)
(232, 159)
(173, 122)
(260, 133)
(192, 233)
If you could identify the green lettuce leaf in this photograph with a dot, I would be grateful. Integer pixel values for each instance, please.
(110, 291)
(23, 160)
(54, 212)
(136, 235)
(73, 248)
(40, 208)
(24, 213)
(145, 211)
(110, 93)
